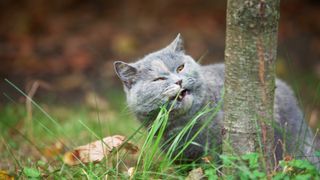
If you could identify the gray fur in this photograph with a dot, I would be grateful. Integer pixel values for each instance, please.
(152, 81)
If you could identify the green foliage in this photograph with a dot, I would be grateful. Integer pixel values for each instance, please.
(211, 173)
(247, 166)
(297, 169)
(31, 172)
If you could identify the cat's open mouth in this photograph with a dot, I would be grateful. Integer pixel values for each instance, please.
(181, 95)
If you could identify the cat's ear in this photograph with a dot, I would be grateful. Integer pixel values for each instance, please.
(176, 45)
(126, 73)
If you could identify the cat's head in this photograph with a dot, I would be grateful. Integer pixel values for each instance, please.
(159, 78)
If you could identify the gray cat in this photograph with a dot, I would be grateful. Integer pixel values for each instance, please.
(162, 76)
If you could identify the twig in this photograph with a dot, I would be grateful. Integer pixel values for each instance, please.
(34, 87)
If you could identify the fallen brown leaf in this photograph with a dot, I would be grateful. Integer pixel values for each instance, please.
(54, 150)
(195, 174)
(5, 176)
(131, 148)
(96, 151)
(288, 158)
(131, 171)
(207, 159)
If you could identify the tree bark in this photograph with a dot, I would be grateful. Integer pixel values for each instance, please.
(250, 54)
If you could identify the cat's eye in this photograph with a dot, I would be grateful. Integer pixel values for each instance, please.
(159, 79)
(180, 68)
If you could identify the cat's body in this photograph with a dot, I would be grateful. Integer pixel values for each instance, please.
(163, 75)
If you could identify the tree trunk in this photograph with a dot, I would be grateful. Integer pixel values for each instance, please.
(251, 48)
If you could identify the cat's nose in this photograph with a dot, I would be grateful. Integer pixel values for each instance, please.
(179, 82)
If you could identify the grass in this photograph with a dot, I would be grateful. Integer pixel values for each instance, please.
(30, 149)
(51, 124)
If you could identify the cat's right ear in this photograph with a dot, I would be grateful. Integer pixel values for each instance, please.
(126, 73)
(176, 45)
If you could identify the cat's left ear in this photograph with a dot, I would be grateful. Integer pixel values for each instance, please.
(126, 73)
(176, 45)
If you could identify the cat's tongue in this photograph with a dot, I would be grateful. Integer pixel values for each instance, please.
(182, 94)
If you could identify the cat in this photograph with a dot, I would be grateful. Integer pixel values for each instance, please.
(170, 75)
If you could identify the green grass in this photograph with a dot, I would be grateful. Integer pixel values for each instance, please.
(23, 144)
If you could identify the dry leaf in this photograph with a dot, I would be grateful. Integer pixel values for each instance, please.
(96, 151)
(131, 148)
(93, 152)
(195, 174)
(131, 171)
(5, 176)
(207, 159)
(288, 158)
(54, 150)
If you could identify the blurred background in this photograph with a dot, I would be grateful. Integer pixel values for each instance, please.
(61, 54)
(71, 44)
